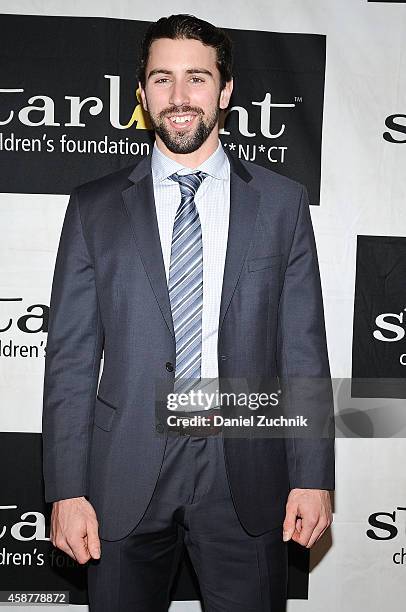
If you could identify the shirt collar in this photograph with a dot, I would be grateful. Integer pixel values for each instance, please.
(217, 165)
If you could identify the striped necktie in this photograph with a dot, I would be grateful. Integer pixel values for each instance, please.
(185, 283)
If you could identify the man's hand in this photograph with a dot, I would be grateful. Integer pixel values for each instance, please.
(308, 514)
(74, 529)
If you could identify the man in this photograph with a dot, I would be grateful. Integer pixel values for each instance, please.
(189, 265)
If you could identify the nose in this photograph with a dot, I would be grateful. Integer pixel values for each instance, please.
(179, 94)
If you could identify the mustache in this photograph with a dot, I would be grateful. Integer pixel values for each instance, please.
(181, 109)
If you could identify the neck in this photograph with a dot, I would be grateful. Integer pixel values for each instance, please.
(191, 160)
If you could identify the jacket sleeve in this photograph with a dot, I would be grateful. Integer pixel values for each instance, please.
(72, 362)
(303, 360)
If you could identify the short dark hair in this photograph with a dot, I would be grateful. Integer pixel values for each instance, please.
(189, 26)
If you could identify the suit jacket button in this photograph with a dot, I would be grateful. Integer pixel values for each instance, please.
(223, 357)
(159, 427)
(169, 366)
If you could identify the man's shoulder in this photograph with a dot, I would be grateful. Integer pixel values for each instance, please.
(113, 182)
(267, 180)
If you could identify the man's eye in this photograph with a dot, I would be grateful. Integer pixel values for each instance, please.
(194, 79)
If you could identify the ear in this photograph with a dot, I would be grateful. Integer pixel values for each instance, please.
(143, 97)
(225, 94)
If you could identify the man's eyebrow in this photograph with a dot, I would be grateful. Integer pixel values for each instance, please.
(188, 71)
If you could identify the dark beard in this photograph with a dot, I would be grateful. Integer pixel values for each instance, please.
(184, 142)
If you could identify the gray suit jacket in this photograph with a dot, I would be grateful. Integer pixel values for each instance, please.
(109, 293)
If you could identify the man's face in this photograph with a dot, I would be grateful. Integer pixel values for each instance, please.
(182, 93)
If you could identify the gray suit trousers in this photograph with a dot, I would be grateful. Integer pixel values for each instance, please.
(191, 506)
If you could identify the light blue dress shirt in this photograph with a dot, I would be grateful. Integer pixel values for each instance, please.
(213, 204)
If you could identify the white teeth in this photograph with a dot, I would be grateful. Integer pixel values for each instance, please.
(181, 119)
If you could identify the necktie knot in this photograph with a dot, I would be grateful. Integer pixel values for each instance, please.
(188, 183)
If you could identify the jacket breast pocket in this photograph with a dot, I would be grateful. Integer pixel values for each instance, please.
(259, 263)
(104, 413)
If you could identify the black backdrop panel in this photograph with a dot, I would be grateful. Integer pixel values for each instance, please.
(379, 334)
(51, 139)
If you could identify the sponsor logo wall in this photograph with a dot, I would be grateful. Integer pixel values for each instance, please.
(320, 97)
(80, 110)
(379, 344)
(89, 122)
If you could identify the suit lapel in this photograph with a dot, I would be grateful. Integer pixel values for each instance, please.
(140, 204)
(244, 202)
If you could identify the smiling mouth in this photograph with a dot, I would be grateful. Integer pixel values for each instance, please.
(181, 120)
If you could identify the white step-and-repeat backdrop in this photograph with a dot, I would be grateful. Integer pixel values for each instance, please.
(320, 95)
